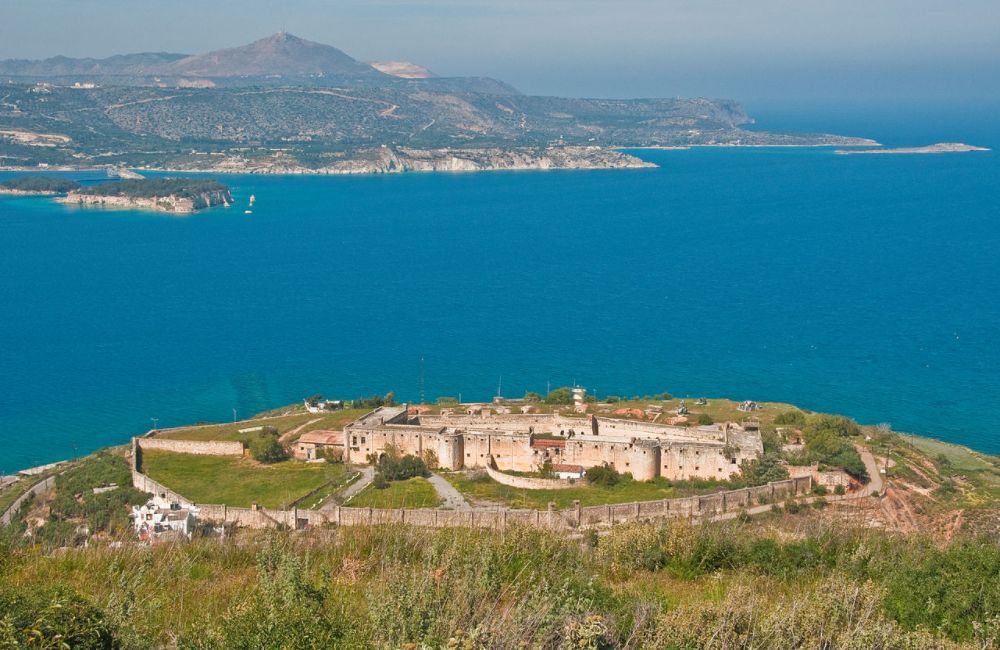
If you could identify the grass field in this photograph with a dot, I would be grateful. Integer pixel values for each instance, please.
(231, 430)
(411, 493)
(238, 481)
(479, 487)
(955, 460)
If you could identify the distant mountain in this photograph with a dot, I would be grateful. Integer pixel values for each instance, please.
(403, 69)
(118, 65)
(280, 54)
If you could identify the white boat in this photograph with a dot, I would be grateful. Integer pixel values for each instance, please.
(248, 212)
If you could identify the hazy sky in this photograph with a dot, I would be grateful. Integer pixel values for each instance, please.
(766, 50)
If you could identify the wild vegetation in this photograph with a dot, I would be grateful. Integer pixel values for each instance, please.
(739, 584)
(150, 188)
(40, 184)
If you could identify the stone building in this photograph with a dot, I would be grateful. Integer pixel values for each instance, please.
(478, 437)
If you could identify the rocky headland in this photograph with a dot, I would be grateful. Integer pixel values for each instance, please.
(941, 147)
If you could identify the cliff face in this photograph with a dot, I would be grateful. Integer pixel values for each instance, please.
(386, 160)
(173, 204)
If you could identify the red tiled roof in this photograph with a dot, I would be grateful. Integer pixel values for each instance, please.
(559, 467)
(323, 437)
(542, 443)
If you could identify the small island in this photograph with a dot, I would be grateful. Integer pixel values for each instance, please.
(38, 186)
(175, 195)
(941, 147)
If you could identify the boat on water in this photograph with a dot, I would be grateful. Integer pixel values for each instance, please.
(248, 212)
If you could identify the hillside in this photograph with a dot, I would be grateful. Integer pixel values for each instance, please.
(283, 103)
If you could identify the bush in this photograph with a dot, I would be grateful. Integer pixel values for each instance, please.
(57, 618)
(819, 490)
(380, 482)
(399, 468)
(840, 490)
(560, 396)
(267, 449)
(763, 470)
(603, 475)
(447, 401)
(705, 419)
(791, 418)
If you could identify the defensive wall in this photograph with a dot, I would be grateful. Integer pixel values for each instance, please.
(200, 447)
(577, 517)
(528, 482)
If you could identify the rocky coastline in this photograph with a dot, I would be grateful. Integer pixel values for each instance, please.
(171, 204)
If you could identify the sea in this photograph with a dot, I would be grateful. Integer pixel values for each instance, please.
(862, 285)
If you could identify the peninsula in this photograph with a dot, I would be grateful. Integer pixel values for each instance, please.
(38, 186)
(941, 147)
(556, 502)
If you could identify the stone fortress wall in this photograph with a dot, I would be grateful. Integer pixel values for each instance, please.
(522, 443)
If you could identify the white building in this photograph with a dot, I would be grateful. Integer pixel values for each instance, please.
(160, 515)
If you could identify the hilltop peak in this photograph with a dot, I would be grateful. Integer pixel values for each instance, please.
(280, 53)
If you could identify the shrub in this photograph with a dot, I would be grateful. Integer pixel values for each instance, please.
(560, 396)
(763, 470)
(840, 490)
(603, 475)
(705, 419)
(447, 401)
(819, 490)
(267, 449)
(399, 468)
(380, 482)
(57, 618)
(791, 418)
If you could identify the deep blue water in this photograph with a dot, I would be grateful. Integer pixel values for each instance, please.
(864, 285)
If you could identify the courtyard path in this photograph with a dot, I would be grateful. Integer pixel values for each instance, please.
(452, 498)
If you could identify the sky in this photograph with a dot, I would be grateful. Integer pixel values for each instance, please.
(758, 51)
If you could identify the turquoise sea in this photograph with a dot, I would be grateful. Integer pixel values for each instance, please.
(866, 285)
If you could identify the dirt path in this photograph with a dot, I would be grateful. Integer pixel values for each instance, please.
(286, 436)
(875, 484)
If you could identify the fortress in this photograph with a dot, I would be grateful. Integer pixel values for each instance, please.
(480, 436)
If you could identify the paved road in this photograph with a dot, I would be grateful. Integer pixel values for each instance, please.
(875, 484)
(452, 498)
(367, 474)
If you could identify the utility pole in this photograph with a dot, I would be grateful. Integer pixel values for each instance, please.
(155, 420)
(234, 415)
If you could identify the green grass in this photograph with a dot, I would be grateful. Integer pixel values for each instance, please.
(981, 470)
(480, 487)
(238, 481)
(283, 423)
(411, 493)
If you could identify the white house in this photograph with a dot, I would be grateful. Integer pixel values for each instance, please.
(568, 471)
(160, 515)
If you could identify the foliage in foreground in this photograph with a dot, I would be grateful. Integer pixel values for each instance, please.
(641, 585)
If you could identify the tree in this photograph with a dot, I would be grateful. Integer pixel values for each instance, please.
(267, 449)
(705, 419)
(604, 475)
(313, 400)
(560, 396)
(763, 470)
(390, 398)
(532, 396)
